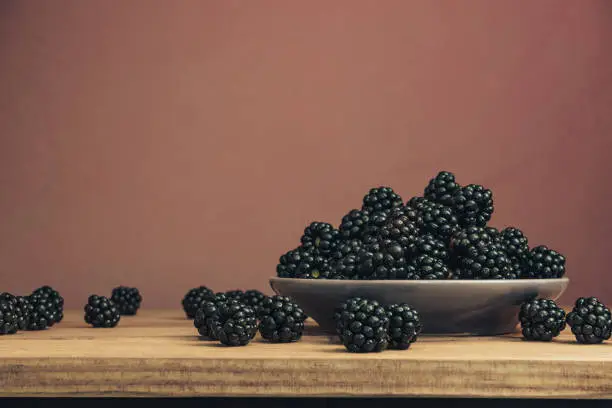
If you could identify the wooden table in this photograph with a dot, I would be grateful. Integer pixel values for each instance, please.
(158, 353)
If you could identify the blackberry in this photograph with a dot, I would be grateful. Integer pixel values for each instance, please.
(281, 320)
(353, 224)
(431, 246)
(321, 236)
(541, 320)
(345, 248)
(543, 263)
(363, 325)
(288, 262)
(473, 205)
(404, 326)
(382, 260)
(419, 203)
(346, 267)
(372, 230)
(100, 311)
(234, 294)
(381, 199)
(427, 268)
(464, 240)
(399, 229)
(493, 233)
(43, 311)
(442, 188)
(236, 324)
(205, 319)
(53, 297)
(8, 317)
(21, 307)
(590, 321)
(439, 221)
(253, 298)
(485, 261)
(515, 242)
(127, 300)
(313, 266)
(194, 298)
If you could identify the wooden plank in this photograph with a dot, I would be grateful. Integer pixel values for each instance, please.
(158, 353)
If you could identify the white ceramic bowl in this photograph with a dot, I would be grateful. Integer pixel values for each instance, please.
(474, 307)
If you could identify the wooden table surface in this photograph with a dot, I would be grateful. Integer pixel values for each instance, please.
(158, 353)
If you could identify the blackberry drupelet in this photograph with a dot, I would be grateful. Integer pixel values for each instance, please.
(515, 242)
(442, 188)
(429, 245)
(53, 297)
(281, 320)
(485, 261)
(384, 259)
(381, 199)
(354, 224)
(126, 299)
(21, 306)
(42, 311)
(253, 298)
(590, 320)
(346, 267)
(320, 236)
(398, 228)
(8, 317)
(543, 263)
(194, 298)
(313, 265)
(101, 312)
(404, 326)
(541, 320)
(473, 205)
(427, 268)
(236, 324)
(363, 325)
(439, 221)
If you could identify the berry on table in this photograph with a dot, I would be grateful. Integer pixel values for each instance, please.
(541, 320)
(194, 298)
(404, 326)
(281, 320)
(236, 324)
(590, 320)
(363, 325)
(126, 299)
(100, 312)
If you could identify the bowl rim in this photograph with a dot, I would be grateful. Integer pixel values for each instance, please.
(438, 282)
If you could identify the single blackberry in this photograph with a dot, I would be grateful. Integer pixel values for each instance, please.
(236, 324)
(281, 320)
(363, 325)
(194, 298)
(345, 248)
(485, 261)
(404, 326)
(590, 321)
(42, 311)
(321, 236)
(439, 221)
(463, 241)
(427, 268)
(473, 205)
(541, 320)
(54, 298)
(253, 298)
(205, 319)
(353, 224)
(493, 233)
(371, 232)
(100, 311)
(346, 267)
(384, 259)
(543, 263)
(398, 228)
(127, 300)
(515, 242)
(289, 261)
(21, 306)
(234, 294)
(313, 266)
(8, 317)
(431, 246)
(441, 188)
(381, 199)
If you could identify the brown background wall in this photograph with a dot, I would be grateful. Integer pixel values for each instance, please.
(170, 144)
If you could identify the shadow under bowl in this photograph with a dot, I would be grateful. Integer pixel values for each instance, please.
(473, 307)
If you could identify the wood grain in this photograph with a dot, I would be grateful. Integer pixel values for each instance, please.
(158, 353)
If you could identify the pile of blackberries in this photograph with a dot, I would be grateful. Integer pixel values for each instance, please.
(366, 326)
(234, 317)
(41, 309)
(441, 234)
